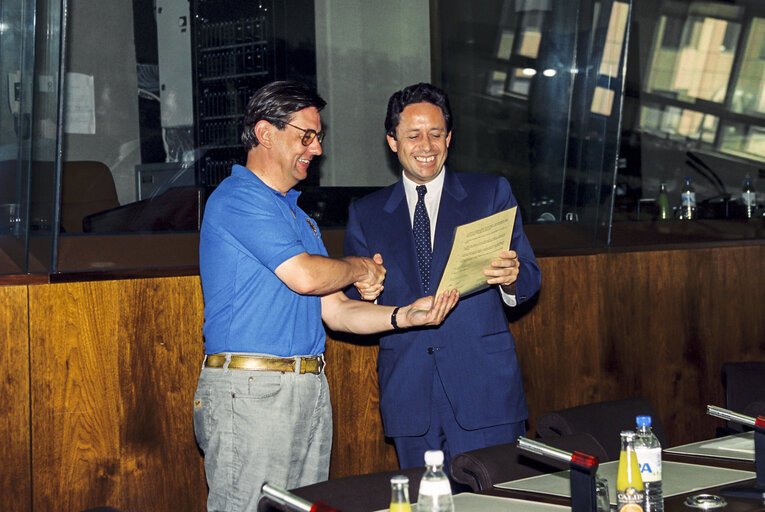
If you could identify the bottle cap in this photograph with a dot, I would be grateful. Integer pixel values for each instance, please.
(627, 434)
(643, 421)
(399, 480)
(434, 458)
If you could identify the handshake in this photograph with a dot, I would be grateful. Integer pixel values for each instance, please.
(371, 286)
(424, 311)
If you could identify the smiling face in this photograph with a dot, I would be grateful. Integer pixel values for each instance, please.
(421, 141)
(291, 155)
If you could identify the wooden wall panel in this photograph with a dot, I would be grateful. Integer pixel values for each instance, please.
(358, 440)
(15, 484)
(657, 324)
(114, 368)
(557, 336)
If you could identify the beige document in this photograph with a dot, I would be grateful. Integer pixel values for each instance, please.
(475, 245)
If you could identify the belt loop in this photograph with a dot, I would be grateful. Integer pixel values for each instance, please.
(298, 365)
(204, 360)
(228, 360)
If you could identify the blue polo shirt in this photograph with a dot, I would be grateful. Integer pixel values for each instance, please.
(248, 230)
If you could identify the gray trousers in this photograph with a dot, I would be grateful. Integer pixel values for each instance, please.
(261, 426)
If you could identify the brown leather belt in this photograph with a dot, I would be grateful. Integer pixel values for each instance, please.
(266, 364)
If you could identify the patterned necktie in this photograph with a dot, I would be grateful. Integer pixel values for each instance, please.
(421, 230)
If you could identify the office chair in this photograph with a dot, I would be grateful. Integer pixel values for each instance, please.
(602, 420)
(484, 468)
(744, 384)
(359, 493)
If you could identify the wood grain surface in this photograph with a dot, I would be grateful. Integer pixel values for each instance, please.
(113, 369)
(15, 483)
(108, 369)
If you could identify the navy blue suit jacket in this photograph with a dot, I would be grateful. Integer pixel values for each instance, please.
(473, 350)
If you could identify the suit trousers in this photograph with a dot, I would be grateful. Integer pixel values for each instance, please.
(446, 434)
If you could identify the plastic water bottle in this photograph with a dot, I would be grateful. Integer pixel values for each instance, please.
(435, 490)
(688, 200)
(648, 451)
(749, 197)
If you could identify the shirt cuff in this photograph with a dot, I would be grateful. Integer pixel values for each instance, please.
(508, 299)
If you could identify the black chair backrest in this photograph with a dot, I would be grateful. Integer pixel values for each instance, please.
(602, 420)
(483, 468)
(359, 493)
(744, 384)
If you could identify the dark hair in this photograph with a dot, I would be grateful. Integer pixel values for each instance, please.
(417, 93)
(276, 102)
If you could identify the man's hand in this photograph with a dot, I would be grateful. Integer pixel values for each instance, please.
(504, 271)
(371, 287)
(426, 311)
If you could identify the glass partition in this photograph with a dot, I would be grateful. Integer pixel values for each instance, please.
(30, 44)
(693, 110)
(537, 89)
(110, 150)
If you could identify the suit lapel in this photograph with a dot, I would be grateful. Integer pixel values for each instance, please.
(451, 213)
(397, 235)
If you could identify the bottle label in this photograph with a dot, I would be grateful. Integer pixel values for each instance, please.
(748, 198)
(630, 500)
(649, 460)
(688, 199)
(435, 487)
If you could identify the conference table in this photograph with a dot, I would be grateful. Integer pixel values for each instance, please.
(704, 467)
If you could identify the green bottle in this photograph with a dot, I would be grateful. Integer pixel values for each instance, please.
(663, 203)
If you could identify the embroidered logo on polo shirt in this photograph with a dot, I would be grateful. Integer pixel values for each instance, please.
(315, 231)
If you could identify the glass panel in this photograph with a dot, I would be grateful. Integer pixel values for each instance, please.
(530, 114)
(749, 94)
(697, 115)
(699, 65)
(29, 63)
(617, 30)
(149, 119)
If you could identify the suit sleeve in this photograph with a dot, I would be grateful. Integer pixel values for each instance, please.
(354, 244)
(529, 276)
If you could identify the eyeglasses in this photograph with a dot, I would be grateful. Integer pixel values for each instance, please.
(309, 135)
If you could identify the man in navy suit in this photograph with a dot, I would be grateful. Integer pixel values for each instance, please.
(456, 387)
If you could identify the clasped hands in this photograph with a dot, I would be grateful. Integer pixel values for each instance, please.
(424, 311)
(372, 286)
(503, 271)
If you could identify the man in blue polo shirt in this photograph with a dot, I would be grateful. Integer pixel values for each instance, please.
(262, 409)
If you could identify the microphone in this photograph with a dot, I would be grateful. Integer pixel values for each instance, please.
(583, 471)
(758, 490)
(292, 501)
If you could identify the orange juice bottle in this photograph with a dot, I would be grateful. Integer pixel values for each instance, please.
(630, 494)
(399, 494)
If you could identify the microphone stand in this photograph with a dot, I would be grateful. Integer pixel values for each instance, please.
(758, 490)
(583, 470)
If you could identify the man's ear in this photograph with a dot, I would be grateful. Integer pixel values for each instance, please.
(448, 139)
(264, 132)
(392, 143)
